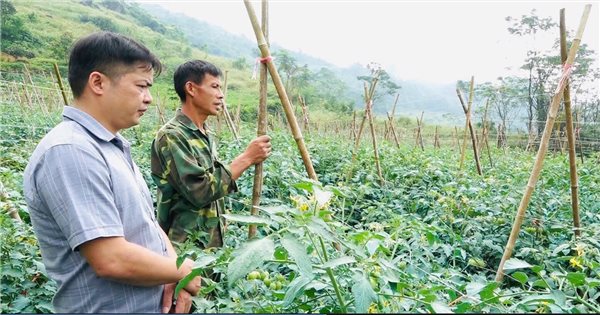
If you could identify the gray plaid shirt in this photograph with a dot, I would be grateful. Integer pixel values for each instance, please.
(81, 184)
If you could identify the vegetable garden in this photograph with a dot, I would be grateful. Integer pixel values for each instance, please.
(413, 228)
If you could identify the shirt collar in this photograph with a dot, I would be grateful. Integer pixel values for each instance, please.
(186, 122)
(91, 124)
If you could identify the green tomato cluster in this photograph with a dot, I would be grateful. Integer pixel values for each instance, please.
(275, 283)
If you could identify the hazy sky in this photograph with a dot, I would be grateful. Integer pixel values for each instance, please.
(433, 41)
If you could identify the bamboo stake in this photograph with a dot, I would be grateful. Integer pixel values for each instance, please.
(419, 136)
(391, 121)
(261, 129)
(470, 126)
(375, 150)
(60, 84)
(265, 53)
(368, 96)
(353, 126)
(543, 148)
(304, 113)
(226, 112)
(570, 133)
(486, 131)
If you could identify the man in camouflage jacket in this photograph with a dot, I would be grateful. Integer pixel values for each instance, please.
(190, 178)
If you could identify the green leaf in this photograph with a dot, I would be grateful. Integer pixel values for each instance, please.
(474, 288)
(576, 278)
(540, 284)
(322, 196)
(21, 302)
(520, 276)
(515, 263)
(363, 293)
(183, 282)
(372, 246)
(181, 258)
(321, 228)
(564, 248)
(339, 261)
(298, 253)
(441, 308)
(559, 298)
(249, 219)
(204, 261)
(295, 288)
(248, 258)
(306, 185)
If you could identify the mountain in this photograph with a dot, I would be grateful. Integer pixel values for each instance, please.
(438, 101)
(39, 33)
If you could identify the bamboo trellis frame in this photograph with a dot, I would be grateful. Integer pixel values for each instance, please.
(469, 124)
(289, 112)
(570, 133)
(261, 128)
(543, 148)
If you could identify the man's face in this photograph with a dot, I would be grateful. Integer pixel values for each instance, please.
(208, 97)
(128, 97)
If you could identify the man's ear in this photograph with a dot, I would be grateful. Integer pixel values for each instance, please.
(97, 82)
(189, 88)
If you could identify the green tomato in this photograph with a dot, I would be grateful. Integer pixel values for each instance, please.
(402, 265)
(267, 282)
(264, 275)
(280, 277)
(373, 282)
(253, 275)
(278, 285)
(273, 286)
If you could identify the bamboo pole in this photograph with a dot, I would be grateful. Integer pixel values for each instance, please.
(304, 113)
(543, 148)
(419, 136)
(570, 133)
(467, 124)
(60, 84)
(265, 53)
(261, 129)
(368, 96)
(226, 112)
(353, 126)
(470, 126)
(436, 139)
(486, 132)
(369, 100)
(391, 121)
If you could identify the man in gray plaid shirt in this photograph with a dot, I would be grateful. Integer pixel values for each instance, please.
(89, 205)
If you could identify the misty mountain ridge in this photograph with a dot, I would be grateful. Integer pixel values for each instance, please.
(438, 101)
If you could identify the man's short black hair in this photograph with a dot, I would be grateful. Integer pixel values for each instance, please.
(193, 70)
(108, 53)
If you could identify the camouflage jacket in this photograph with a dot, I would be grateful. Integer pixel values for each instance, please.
(191, 183)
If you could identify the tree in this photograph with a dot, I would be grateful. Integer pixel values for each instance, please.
(544, 68)
(17, 40)
(530, 25)
(385, 85)
(60, 45)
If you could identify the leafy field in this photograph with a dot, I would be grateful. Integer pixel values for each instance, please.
(428, 240)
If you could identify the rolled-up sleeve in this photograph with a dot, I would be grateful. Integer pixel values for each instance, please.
(76, 188)
(200, 181)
